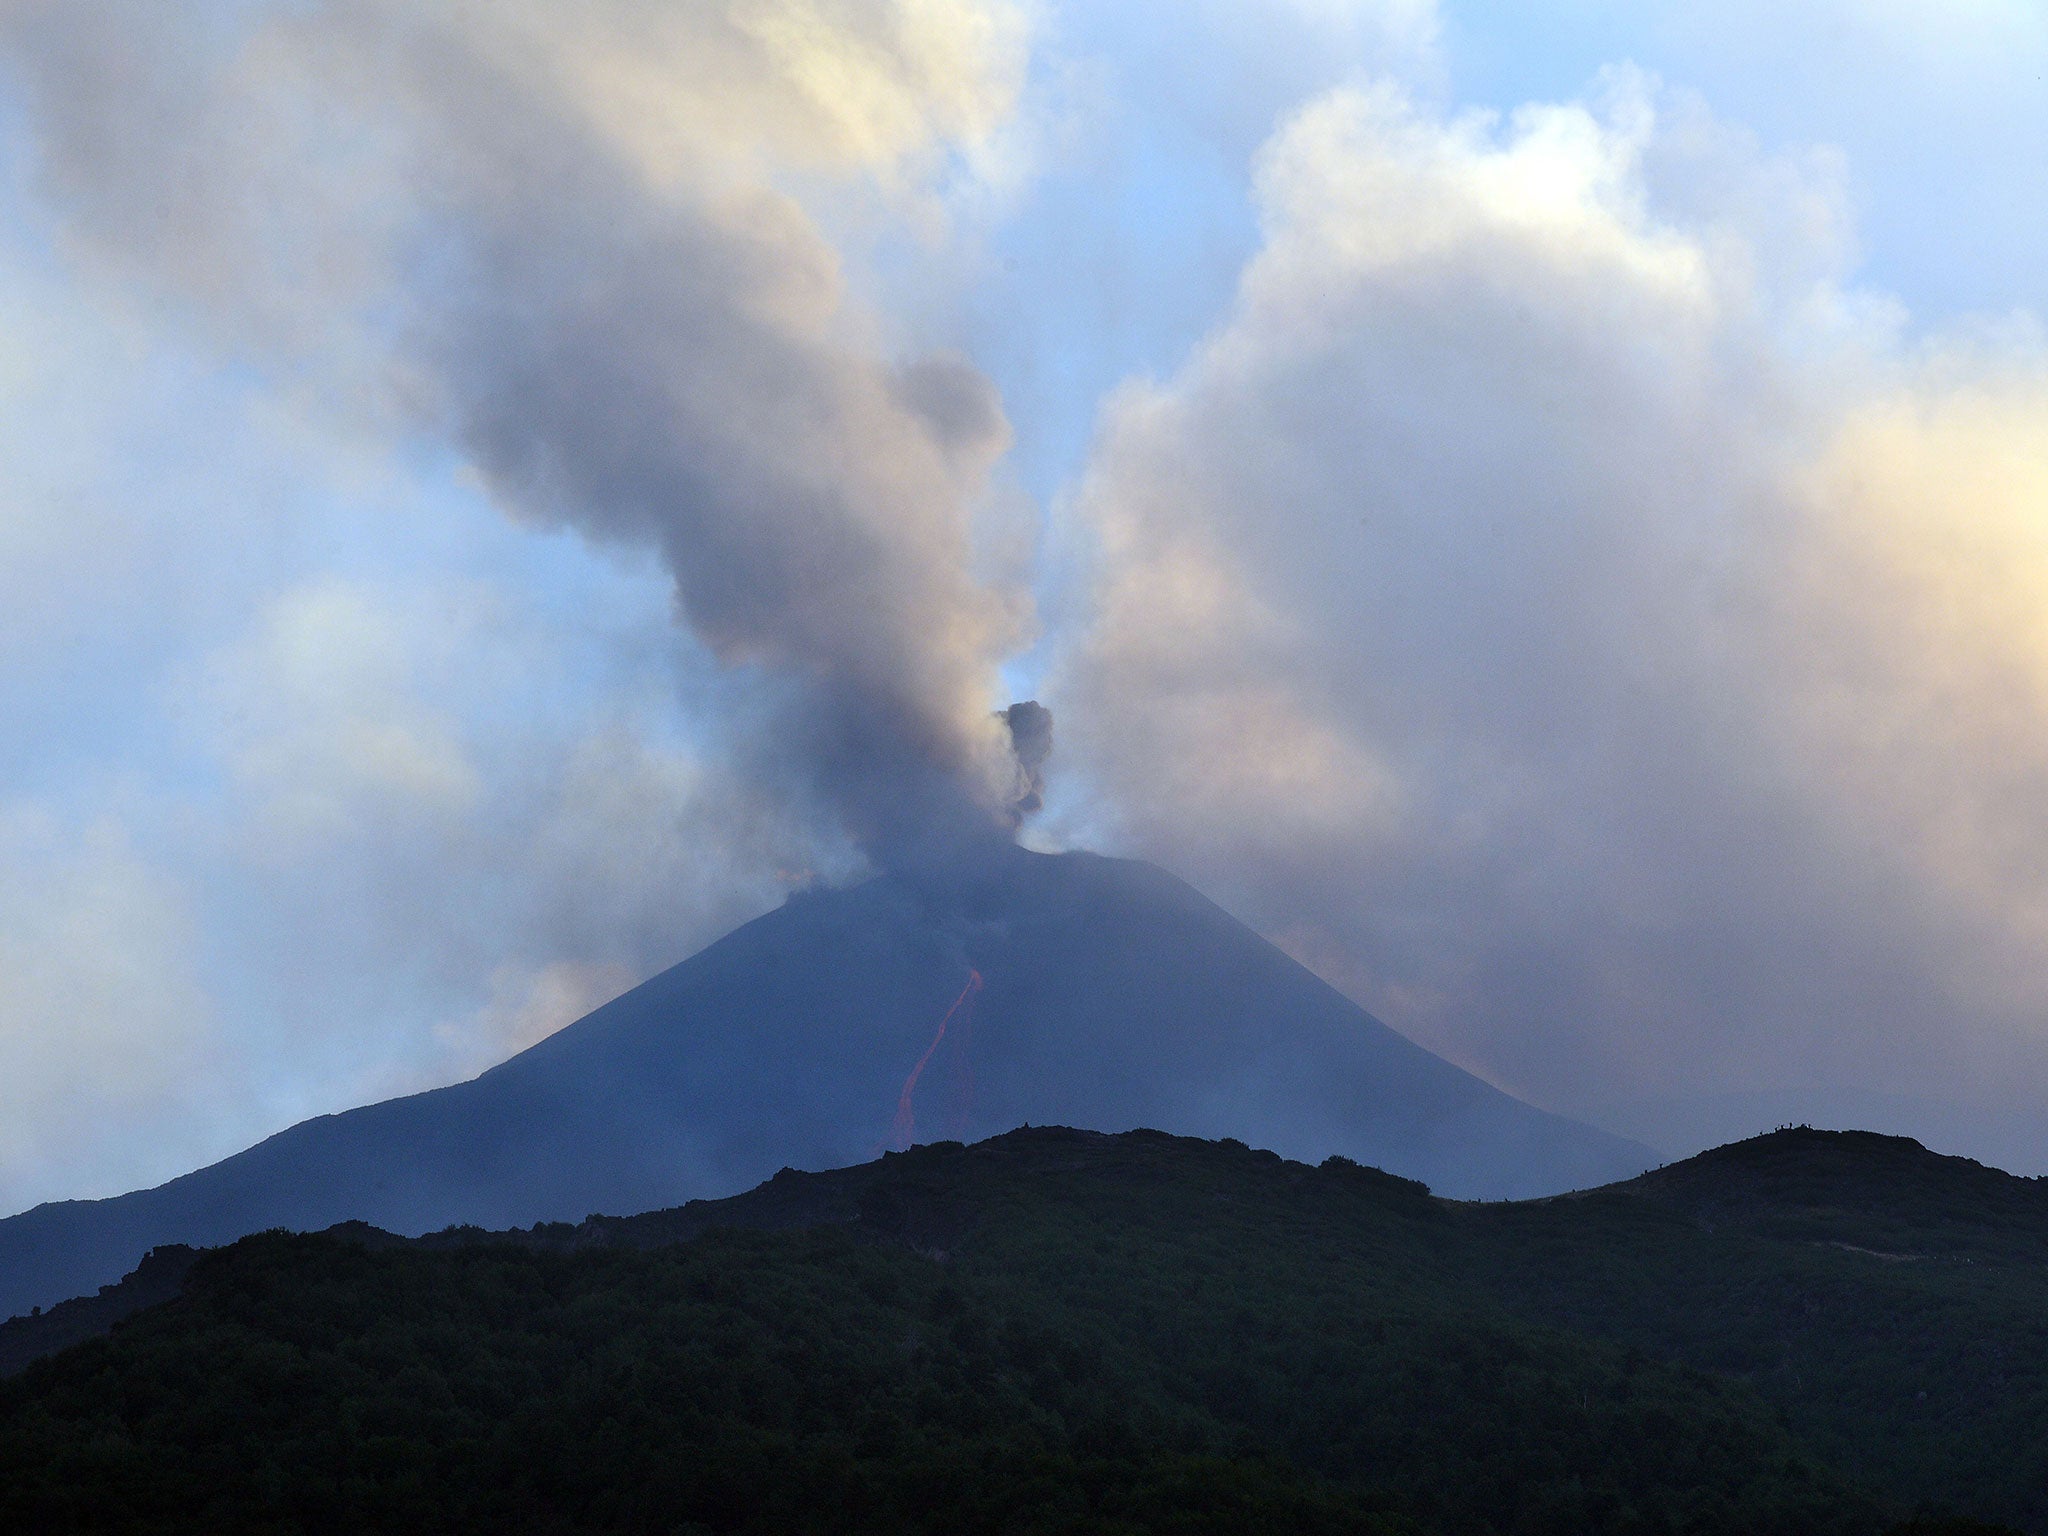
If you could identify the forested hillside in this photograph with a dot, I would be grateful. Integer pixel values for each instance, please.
(1060, 1331)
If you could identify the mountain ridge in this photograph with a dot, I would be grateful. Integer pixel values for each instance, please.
(1115, 996)
(1706, 1347)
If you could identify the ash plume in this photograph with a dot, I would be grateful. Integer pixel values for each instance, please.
(1030, 725)
(557, 244)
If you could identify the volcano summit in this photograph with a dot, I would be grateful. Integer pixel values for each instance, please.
(1110, 995)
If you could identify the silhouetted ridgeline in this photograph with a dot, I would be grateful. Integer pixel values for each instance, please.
(1063, 1331)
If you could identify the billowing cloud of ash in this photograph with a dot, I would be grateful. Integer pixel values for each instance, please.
(1030, 727)
(1563, 607)
(562, 240)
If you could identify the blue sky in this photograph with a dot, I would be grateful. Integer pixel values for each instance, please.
(349, 752)
(1936, 110)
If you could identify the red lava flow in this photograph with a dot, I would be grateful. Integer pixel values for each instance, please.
(906, 1123)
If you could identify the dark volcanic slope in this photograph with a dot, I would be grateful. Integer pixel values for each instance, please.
(1115, 996)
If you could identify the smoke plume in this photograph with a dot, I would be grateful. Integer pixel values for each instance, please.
(556, 240)
(1030, 727)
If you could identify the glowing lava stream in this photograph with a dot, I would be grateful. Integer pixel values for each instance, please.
(906, 1124)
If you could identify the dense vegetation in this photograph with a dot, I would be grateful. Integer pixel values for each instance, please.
(1056, 1331)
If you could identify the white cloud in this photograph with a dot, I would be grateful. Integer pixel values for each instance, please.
(322, 720)
(103, 1019)
(1555, 603)
(1935, 110)
(435, 796)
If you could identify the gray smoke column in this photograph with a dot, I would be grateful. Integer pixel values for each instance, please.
(555, 240)
(1030, 726)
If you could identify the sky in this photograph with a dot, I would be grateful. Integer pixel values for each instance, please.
(1540, 509)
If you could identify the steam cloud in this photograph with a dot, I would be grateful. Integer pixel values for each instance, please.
(553, 236)
(1555, 602)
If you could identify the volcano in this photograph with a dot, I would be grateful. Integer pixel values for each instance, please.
(1067, 989)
